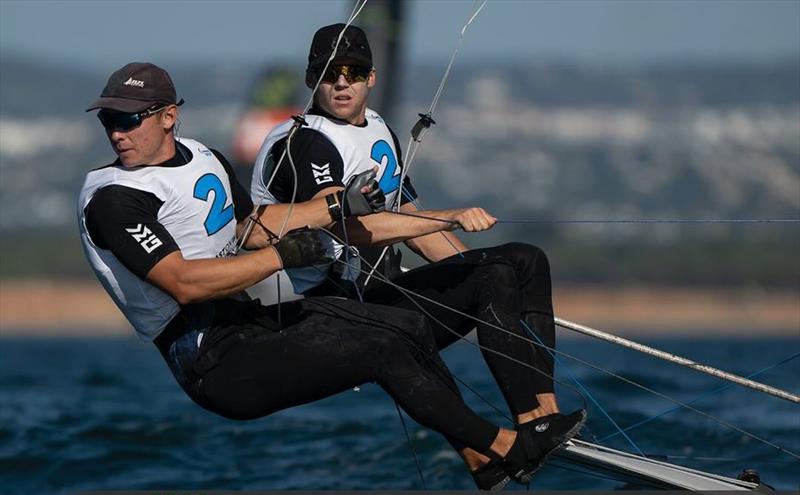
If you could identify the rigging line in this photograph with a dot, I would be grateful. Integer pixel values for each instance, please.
(585, 390)
(427, 118)
(453, 56)
(421, 127)
(346, 248)
(409, 293)
(411, 446)
(418, 204)
(654, 220)
(674, 358)
(435, 219)
(707, 394)
(294, 186)
(299, 122)
(584, 362)
(435, 367)
(622, 221)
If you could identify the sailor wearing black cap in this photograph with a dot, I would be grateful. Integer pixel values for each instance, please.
(341, 141)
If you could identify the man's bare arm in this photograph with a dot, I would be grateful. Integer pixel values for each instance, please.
(190, 281)
(384, 228)
(436, 246)
(429, 238)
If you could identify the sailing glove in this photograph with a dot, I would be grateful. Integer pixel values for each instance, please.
(301, 247)
(355, 203)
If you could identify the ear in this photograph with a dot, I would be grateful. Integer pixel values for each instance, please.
(168, 117)
(372, 79)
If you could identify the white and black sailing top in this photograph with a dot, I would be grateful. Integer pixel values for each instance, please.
(131, 217)
(327, 153)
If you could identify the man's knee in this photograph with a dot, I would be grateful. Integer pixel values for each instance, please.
(528, 260)
(498, 271)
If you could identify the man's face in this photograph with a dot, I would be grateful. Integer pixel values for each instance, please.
(345, 100)
(147, 144)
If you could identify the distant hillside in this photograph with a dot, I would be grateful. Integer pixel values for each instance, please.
(541, 141)
(32, 89)
(694, 140)
(564, 84)
(29, 89)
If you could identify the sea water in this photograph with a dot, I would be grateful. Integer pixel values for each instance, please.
(105, 414)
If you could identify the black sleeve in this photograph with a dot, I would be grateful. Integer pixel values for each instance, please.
(319, 165)
(242, 204)
(408, 193)
(125, 221)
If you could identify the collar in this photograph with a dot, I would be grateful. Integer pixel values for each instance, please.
(182, 156)
(315, 110)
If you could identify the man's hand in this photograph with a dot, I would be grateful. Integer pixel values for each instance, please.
(470, 219)
(301, 247)
(362, 196)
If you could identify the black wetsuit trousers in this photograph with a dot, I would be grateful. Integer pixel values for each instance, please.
(505, 285)
(247, 366)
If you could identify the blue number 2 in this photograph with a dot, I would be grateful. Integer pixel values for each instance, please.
(218, 216)
(389, 181)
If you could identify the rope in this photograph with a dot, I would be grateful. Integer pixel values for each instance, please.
(411, 446)
(409, 293)
(618, 221)
(422, 126)
(426, 120)
(585, 391)
(653, 220)
(569, 356)
(707, 394)
(674, 358)
(299, 122)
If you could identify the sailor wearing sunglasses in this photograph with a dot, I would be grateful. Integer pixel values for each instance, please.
(157, 225)
(509, 285)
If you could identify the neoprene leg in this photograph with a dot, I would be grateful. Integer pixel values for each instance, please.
(333, 346)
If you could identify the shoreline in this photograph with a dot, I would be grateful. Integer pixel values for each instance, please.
(79, 308)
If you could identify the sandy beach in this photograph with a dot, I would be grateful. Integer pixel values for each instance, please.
(82, 308)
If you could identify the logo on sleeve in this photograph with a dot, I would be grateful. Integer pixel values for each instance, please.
(322, 173)
(145, 237)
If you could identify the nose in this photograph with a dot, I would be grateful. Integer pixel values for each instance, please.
(341, 82)
(116, 136)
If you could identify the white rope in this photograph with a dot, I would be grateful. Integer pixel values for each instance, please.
(409, 293)
(357, 8)
(415, 141)
(453, 57)
(630, 344)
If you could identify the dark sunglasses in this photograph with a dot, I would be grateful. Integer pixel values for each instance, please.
(120, 121)
(351, 73)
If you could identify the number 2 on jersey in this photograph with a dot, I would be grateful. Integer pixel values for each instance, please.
(389, 180)
(218, 216)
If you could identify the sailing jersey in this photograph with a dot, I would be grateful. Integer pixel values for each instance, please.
(130, 218)
(327, 153)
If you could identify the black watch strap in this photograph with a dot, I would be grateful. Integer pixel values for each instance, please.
(334, 207)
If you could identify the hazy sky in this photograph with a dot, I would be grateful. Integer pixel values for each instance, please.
(103, 34)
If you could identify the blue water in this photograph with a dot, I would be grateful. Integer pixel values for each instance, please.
(96, 414)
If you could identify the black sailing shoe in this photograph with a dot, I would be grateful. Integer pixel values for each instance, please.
(537, 439)
(491, 476)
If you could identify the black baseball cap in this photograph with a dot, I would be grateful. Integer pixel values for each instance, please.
(353, 49)
(137, 87)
